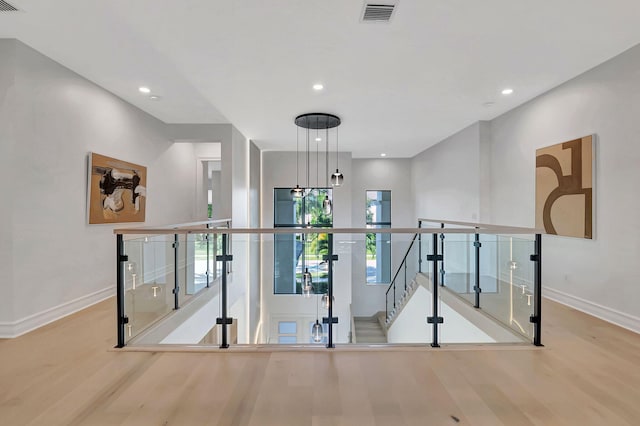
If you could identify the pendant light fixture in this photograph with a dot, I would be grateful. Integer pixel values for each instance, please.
(319, 121)
(337, 178)
(325, 300)
(297, 192)
(316, 330)
(307, 284)
(307, 281)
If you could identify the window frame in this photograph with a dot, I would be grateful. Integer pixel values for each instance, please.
(302, 260)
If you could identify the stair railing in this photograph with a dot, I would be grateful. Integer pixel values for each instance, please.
(397, 279)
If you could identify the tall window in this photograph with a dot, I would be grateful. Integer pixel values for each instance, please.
(295, 253)
(378, 267)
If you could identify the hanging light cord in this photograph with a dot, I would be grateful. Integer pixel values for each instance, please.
(307, 157)
(326, 140)
(297, 155)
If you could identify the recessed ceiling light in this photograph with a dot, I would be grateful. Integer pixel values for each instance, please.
(383, 155)
(507, 91)
(155, 97)
(318, 139)
(318, 86)
(144, 89)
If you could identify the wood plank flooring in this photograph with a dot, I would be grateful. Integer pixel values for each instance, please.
(68, 374)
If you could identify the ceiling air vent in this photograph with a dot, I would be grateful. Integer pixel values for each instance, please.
(6, 7)
(377, 12)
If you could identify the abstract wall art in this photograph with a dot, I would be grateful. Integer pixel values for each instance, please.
(564, 188)
(117, 190)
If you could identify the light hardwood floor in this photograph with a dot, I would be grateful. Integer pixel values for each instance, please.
(67, 374)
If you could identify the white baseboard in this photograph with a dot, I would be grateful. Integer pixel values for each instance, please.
(604, 313)
(30, 323)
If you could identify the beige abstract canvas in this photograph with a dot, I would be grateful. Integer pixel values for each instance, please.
(117, 190)
(564, 188)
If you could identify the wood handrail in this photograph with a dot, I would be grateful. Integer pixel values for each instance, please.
(506, 229)
(164, 230)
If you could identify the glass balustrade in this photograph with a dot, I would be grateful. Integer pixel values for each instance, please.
(220, 287)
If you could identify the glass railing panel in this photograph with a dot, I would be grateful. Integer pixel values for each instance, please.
(459, 265)
(517, 271)
(506, 280)
(149, 281)
(196, 271)
(426, 242)
(288, 316)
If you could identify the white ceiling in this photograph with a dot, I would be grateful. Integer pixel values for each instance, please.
(399, 87)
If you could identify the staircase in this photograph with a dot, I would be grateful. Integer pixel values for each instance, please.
(369, 329)
(406, 295)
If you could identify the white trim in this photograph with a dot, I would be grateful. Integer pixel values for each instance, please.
(613, 316)
(30, 323)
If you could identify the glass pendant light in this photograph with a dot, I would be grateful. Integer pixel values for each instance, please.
(337, 178)
(307, 289)
(326, 205)
(307, 284)
(325, 300)
(297, 192)
(307, 280)
(316, 332)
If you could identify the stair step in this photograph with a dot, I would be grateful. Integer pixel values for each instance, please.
(368, 330)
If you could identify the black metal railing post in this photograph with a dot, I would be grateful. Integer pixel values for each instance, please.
(419, 248)
(214, 251)
(224, 320)
(435, 319)
(476, 288)
(405, 275)
(176, 277)
(208, 273)
(229, 249)
(122, 319)
(536, 318)
(386, 306)
(330, 319)
(442, 271)
(394, 294)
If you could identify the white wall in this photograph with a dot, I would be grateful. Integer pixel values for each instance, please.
(58, 117)
(379, 174)
(486, 172)
(240, 179)
(410, 326)
(445, 178)
(7, 146)
(599, 275)
(204, 153)
(255, 170)
(207, 133)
